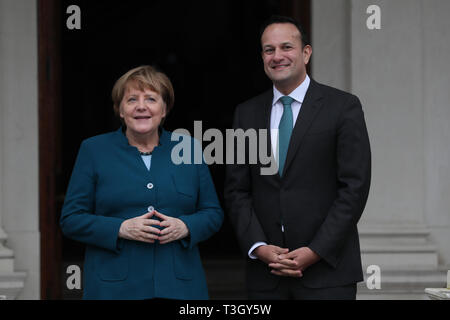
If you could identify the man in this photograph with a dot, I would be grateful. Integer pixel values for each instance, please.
(298, 226)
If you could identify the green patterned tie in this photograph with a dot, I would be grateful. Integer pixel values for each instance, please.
(284, 131)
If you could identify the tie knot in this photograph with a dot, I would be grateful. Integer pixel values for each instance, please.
(286, 100)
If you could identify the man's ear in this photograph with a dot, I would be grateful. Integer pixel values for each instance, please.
(307, 52)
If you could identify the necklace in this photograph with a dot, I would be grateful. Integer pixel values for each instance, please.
(149, 153)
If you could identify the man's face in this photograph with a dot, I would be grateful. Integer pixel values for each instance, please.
(284, 59)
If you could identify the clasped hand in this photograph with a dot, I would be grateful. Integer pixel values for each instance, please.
(285, 263)
(144, 229)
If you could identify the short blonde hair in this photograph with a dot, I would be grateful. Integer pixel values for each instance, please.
(144, 77)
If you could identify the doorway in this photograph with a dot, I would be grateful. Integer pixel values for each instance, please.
(209, 50)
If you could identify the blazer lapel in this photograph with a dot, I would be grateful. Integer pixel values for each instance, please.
(310, 107)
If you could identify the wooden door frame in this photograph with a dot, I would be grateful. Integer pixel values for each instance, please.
(50, 26)
(49, 75)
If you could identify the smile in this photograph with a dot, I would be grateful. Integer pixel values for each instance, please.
(280, 66)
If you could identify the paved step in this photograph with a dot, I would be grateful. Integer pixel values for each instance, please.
(11, 284)
(407, 284)
(225, 278)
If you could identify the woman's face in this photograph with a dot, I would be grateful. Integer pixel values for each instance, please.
(142, 111)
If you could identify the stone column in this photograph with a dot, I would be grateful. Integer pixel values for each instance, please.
(386, 69)
(436, 77)
(19, 210)
(330, 36)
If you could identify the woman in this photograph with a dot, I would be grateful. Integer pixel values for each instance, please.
(140, 215)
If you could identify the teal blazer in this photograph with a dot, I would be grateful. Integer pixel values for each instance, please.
(109, 184)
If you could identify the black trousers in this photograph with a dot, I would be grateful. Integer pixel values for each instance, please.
(289, 290)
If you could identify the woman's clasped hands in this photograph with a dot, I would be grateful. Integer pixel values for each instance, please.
(146, 228)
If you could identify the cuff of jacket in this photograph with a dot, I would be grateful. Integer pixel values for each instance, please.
(109, 238)
(188, 242)
(328, 257)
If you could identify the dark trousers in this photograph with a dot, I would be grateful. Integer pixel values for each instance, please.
(289, 290)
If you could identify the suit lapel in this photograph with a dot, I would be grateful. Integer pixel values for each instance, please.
(310, 107)
(265, 124)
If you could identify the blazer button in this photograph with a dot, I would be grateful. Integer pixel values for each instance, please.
(150, 186)
(150, 209)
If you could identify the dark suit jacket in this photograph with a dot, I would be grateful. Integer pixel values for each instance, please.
(110, 183)
(320, 196)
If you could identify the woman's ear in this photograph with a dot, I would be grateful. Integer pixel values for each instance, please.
(164, 111)
(120, 110)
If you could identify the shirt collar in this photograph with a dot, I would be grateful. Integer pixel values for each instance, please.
(164, 136)
(298, 94)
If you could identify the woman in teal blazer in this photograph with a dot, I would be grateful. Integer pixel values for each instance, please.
(140, 215)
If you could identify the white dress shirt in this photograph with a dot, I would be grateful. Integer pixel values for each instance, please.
(275, 116)
(147, 160)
